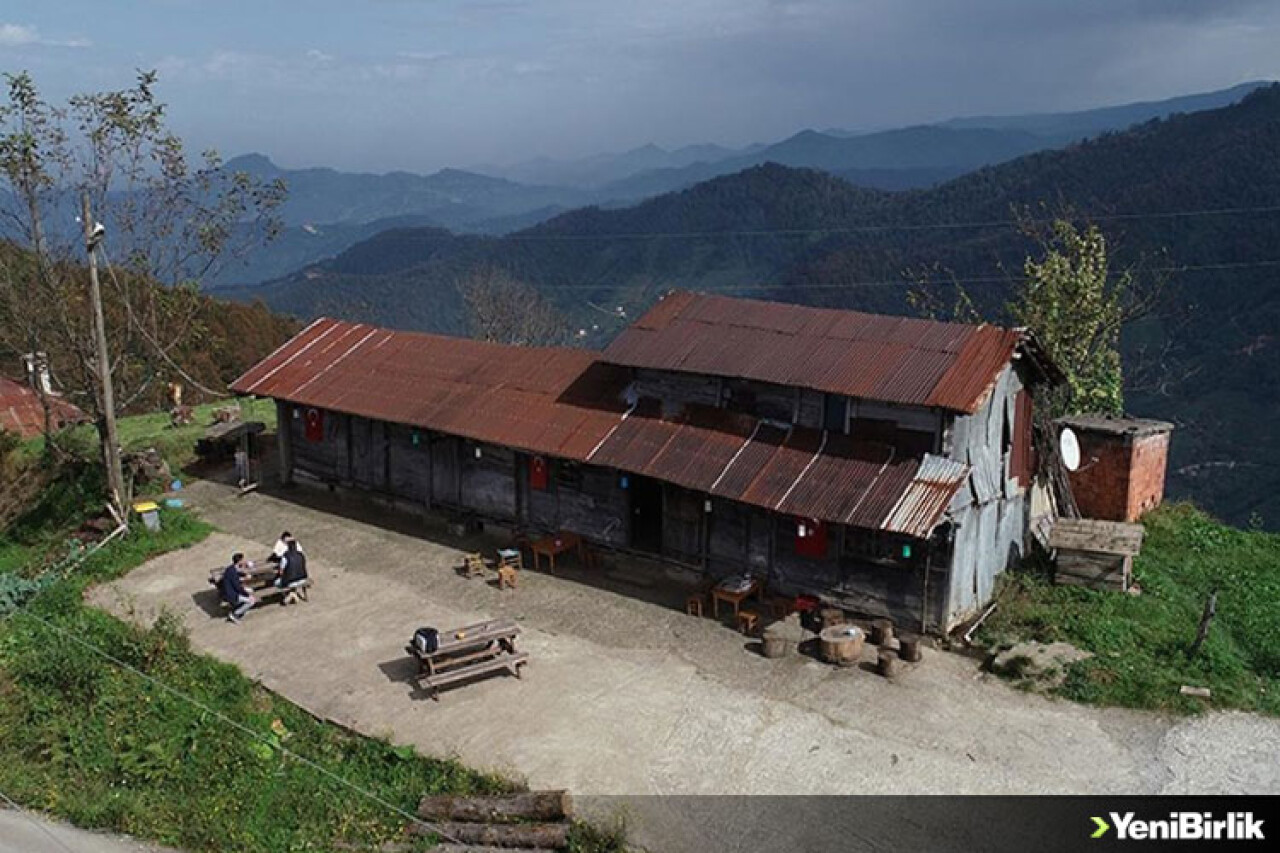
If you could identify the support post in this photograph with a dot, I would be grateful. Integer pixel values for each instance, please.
(106, 389)
(284, 441)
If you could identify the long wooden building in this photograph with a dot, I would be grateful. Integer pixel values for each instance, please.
(883, 464)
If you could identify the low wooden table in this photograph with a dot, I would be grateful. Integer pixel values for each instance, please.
(734, 597)
(560, 543)
(471, 650)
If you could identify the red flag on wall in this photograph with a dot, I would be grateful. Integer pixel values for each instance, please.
(538, 473)
(811, 538)
(314, 421)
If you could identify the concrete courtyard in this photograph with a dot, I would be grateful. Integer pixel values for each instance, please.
(626, 695)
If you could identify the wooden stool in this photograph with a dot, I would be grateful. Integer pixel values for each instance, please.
(881, 631)
(909, 648)
(748, 622)
(693, 604)
(473, 565)
(507, 577)
(832, 616)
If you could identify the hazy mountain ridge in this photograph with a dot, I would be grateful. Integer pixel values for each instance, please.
(329, 210)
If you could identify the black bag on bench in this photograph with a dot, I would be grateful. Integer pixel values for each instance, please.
(426, 640)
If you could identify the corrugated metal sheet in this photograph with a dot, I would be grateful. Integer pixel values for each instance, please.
(563, 403)
(927, 496)
(22, 414)
(893, 359)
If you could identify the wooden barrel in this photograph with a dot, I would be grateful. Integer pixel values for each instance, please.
(841, 644)
(831, 616)
(881, 631)
(775, 644)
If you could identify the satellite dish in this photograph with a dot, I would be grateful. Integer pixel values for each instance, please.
(1069, 448)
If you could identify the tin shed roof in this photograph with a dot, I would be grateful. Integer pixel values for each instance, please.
(564, 403)
(22, 414)
(870, 356)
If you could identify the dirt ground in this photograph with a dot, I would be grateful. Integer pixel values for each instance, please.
(627, 695)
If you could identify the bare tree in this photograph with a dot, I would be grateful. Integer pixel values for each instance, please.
(166, 225)
(503, 309)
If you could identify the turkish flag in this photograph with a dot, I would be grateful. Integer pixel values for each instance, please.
(314, 421)
(811, 538)
(538, 473)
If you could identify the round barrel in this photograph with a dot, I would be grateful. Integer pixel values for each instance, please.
(841, 644)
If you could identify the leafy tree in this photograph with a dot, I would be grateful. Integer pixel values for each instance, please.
(1077, 305)
(167, 224)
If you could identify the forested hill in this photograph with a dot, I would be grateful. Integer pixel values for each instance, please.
(1210, 361)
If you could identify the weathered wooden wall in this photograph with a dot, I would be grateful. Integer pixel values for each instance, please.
(327, 459)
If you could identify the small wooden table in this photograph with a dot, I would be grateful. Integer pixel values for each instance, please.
(260, 579)
(560, 543)
(471, 650)
(733, 596)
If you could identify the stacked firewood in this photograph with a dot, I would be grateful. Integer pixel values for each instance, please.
(510, 823)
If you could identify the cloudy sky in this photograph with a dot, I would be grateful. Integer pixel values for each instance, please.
(421, 84)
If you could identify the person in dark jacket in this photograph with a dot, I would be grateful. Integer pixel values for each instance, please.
(293, 572)
(233, 589)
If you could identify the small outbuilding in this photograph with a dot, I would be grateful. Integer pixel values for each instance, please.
(1122, 465)
(1096, 554)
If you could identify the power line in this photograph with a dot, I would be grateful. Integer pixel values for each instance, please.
(924, 226)
(991, 279)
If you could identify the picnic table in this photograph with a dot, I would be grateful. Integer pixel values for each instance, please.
(730, 592)
(472, 650)
(560, 543)
(260, 577)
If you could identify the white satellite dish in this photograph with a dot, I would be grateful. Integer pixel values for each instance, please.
(1069, 448)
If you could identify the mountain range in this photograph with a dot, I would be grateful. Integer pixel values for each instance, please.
(328, 210)
(1191, 199)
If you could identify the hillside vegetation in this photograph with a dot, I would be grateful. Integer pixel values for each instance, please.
(1141, 644)
(1208, 359)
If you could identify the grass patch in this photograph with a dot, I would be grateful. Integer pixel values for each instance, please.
(139, 432)
(92, 742)
(1141, 643)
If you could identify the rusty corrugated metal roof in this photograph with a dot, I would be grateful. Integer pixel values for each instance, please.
(22, 414)
(874, 357)
(564, 403)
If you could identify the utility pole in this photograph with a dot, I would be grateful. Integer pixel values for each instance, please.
(106, 391)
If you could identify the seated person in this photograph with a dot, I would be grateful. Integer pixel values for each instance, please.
(293, 572)
(277, 550)
(233, 589)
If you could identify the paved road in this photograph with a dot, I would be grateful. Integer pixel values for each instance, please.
(27, 832)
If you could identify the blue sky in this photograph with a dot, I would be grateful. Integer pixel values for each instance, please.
(422, 84)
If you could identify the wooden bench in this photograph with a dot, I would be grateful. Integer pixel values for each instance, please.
(472, 650)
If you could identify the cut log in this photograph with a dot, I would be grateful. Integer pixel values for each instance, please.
(538, 805)
(881, 631)
(887, 663)
(909, 648)
(540, 836)
(471, 848)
